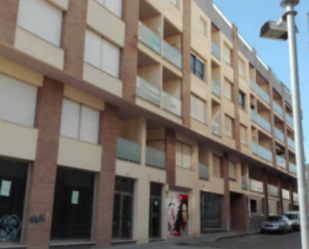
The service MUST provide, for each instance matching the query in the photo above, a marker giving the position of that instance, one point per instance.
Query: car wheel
(282, 231)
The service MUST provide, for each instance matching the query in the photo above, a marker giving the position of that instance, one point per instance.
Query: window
(243, 134)
(183, 155)
(241, 68)
(242, 100)
(198, 109)
(175, 2)
(79, 122)
(217, 166)
(198, 67)
(227, 55)
(115, 6)
(256, 206)
(273, 207)
(203, 26)
(42, 19)
(228, 90)
(229, 126)
(17, 101)
(232, 171)
(102, 54)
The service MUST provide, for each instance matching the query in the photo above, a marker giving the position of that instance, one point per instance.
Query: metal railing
(293, 168)
(273, 190)
(172, 55)
(171, 104)
(281, 162)
(279, 134)
(215, 88)
(286, 194)
(244, 182)
(216, 128)
(291, 143)
(149, 38)
(261, 151)
(263, 123)
(203, 171)
(289, 119)
(147, 91)
(278, 108)
(155, 157)
(256, 186)
(128, 150)
(215, 50)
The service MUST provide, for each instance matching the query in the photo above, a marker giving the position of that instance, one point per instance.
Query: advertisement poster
(178, 214)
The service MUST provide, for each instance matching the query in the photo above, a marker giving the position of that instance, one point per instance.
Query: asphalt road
(259, 241)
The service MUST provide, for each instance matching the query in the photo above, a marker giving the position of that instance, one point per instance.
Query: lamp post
(284, 29)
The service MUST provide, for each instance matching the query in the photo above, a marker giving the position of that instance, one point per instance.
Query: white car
(276, 223)
(295, 219)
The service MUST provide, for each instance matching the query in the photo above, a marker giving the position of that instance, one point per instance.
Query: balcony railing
(155, 158)
(215, 50)
(147, 91)
(203, 171)
(264, 95)
(289, 119)
(261, 152)
(293, 168)
(295, 197)
(149, 38)
(253, 115)
(216, 128)
(171, 104)
(128, 150)
(172, 55)
(252, 85)
(281, 162)
(244, 182)
(273, 190)
(216, 88)
(278, 108)
(291, 143)
(286, 194)
(256, 186)
(255, 148)
(279, 134)
(263, 123)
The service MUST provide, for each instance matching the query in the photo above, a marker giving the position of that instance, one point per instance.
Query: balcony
(291, 143)
(281, 162)
(203, 171)
(155, 158)
(216, 88)
(128, 150)
(295, 197)
(253, 116)
(172, 55)
(216, 128)
(256, 186)
(286, 194)
(244, 182)
(252, 85)
(147, 91)
(289, 119)
(215, 50)
(262, 152)
(278, 109)
(293, 168)
(273, 190)
(149, 38)
(263, 95)
(279, 134)
(171, 104)
(263, 123)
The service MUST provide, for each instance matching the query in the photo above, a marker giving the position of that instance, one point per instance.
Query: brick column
(105, 182)
(43, 171)
(170, 157)
(236, 89)
(285, 131)
(265, 185)
(291, 194)
(73, 37)
(186, 69)
(226, 197)
(280, 195)
(8, 20)
(128, 66)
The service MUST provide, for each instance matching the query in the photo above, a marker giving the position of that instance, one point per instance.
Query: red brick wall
(280, 195)
(265, 182)
(226, 198)
(106, 179)
(170, 157)
(73, 37)
(128, 66)
(43, 171)
(239, 218)
(8, 20)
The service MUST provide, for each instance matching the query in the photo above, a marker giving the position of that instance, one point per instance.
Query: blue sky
(249, 16)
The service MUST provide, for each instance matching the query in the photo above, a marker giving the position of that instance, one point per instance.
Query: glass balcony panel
(291, 143)
(155, 158)
(252, 85)
(265, 153)
(171, 104)
(253, 116)
(286, 194)
(263, 123)
(293, 168)
(289, 119)
(256, 186)
(295, 197)
(172, 55)
(216, 88)
(281, 162)
(279, 134)
(273, 190)
(149, 38)
(255, 149)
(264, 95)
(278, 109)
(215, 50)
(128, 150)
(244, 182)
(147, 91)
(216, 128)
(203, 171)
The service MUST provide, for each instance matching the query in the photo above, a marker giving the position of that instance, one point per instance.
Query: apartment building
(127, 121)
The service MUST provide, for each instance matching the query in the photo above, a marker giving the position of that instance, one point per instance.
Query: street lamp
(285, 29)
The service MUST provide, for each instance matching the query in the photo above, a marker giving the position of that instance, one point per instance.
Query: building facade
(136, 120)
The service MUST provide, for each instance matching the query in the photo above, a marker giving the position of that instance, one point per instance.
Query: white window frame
(104, 3)
(203, 26)
(231, 166)
(195, 101)
(229, 97)
(241, 64)
(227, 50)
(241, 138)
(227, 132)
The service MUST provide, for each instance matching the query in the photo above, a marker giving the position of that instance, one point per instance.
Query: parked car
(294, 217)
(276, 223)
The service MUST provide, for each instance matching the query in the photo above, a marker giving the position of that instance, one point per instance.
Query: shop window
(73, 205)
(114, 6)
(13, 182)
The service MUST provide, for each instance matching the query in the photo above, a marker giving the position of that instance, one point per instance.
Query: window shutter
(178, 154)
(243, 134)
(217, 166)
(115, 6)
(193, 106)
(93, 48)
(110, 58)
(228, 126)
(89, 125)
(17, 101)
(186, 153)
(70, 119)
(241, 68)
(232, 170)
(202, 26)
(228, 90)
(227, 55)
(42, 19)
(200, 106)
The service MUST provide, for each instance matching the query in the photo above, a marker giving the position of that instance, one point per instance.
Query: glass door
(155, 217)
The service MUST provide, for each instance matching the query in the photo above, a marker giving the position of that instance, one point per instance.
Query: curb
(235, 236)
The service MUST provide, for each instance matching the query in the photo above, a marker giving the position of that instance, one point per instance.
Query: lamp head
(284, 3)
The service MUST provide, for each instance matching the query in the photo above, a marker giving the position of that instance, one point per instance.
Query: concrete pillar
(280, 195)
(226, 197)
(170, 157)
(265, 185)
(141, 138)
(195, 213)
